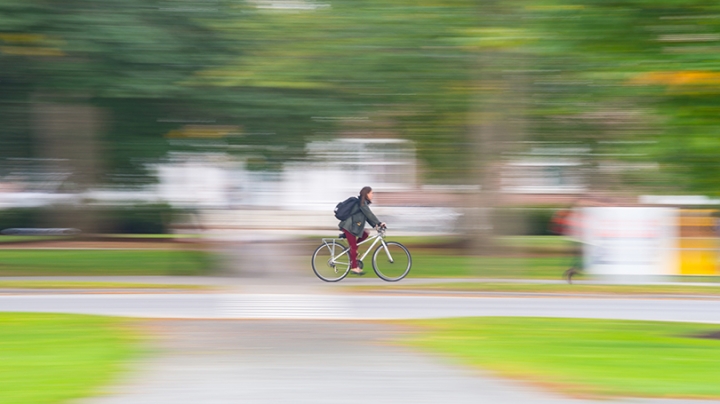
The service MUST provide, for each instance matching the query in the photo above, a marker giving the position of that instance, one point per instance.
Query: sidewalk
(259, 362)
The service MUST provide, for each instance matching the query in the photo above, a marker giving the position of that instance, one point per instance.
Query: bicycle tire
(396, 269)
(327, 270)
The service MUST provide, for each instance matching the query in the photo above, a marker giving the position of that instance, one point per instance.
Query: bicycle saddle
(342, 235)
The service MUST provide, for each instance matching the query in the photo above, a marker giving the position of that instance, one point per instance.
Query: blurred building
(332, 170)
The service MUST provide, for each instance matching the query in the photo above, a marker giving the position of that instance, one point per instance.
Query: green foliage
(100, 54)
(20, 217)
(357, 68)
(634, 81)
(135, 219)
(522, 221)
(283, 77)
(138, 219)
(631, 82)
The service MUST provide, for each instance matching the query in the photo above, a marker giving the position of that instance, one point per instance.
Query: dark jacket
(355, 224)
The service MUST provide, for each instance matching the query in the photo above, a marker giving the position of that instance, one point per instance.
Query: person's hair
(363, 195)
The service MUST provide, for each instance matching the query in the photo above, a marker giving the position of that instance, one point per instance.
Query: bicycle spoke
(391, 262)
(331, 262)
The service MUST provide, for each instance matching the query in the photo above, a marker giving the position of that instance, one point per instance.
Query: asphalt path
(309, 361)
(273, 346)
(359, 307)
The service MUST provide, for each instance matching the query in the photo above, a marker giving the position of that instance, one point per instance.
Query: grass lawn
(583, 357)
(16, 239)
(53, 358)
(432, 264)
(104, 262)
(550, 244)
(678, 290)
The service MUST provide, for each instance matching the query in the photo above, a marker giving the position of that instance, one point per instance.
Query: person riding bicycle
(354, 226)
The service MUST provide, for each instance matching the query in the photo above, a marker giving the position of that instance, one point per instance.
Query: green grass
(54, 358)
(583, 357)
(678, 290)
(432, 264)
(15, 239)
(546, 244)
(32, 284)
(104, 262)
(110, 237)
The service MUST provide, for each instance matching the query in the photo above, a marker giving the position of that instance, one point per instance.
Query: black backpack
(344, 209)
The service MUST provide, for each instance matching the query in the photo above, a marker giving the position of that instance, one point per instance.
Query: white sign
(629, 241)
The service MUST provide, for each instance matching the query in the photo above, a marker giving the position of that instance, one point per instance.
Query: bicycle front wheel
(331, 262)
(391, 261)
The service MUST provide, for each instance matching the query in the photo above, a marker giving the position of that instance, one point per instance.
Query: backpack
(344, 209)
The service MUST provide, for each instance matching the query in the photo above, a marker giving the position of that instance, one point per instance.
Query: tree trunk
(65, 138)
(496, 128)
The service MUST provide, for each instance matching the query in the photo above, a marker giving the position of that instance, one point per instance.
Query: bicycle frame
(379, 237)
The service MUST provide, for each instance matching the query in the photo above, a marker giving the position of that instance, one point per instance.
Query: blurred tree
(631, 82)
(364, 68)
(634, 83)
(108, 55)
(70, 67)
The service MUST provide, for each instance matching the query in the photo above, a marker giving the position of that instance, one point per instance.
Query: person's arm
(371, 218)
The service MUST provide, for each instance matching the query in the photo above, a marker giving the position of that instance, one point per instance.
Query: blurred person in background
(569, 223)
(354, 226)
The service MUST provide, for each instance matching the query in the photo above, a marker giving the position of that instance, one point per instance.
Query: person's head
(366, 195)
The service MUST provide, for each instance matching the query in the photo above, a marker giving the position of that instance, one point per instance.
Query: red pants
(353, 241)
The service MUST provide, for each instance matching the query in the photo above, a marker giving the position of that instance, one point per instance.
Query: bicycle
(331, 260)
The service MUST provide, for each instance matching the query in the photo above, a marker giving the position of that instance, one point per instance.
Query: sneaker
(357, 271)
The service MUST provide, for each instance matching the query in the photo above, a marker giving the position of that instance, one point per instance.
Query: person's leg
(576, 264)
(352, 241)
(364, 236)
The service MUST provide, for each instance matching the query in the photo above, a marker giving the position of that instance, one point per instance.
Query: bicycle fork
(387, 251)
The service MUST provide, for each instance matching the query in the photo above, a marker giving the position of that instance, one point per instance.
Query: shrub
(135, 219)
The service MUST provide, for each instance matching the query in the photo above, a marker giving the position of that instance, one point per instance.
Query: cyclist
(354, 226)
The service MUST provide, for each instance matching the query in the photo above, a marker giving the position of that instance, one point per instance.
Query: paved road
(295, 361)
(359, 307)
(300, 362)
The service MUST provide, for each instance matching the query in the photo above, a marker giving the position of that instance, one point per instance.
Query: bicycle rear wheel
(393, 263)
(331, 261)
